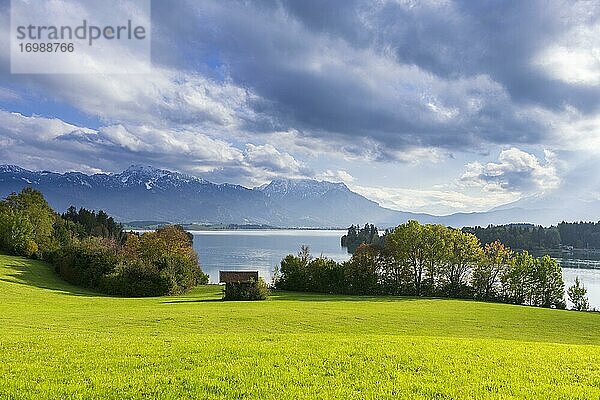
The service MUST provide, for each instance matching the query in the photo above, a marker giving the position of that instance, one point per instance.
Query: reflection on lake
(262, 250)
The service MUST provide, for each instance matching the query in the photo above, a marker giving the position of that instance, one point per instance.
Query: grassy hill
(59, 341)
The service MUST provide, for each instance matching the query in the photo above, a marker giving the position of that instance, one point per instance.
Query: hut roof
(237, 276)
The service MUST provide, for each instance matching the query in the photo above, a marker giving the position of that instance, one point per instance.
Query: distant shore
(150, 225)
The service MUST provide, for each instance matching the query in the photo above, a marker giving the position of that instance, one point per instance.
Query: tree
(517, 279)
(548, 286)
(26, 223)
(324, 275)
(436, 253)
(304, 254)
(35, 208)
(577, 295)
(405, 244)
(291, 274)
(169, 240)
(464, 253)
(357, 236)
(487, 273)
(361, 272)
(97, 224)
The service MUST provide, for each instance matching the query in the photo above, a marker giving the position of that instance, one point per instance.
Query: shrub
(86, 263)
(31, 249)
(246, 290)
(181, 273)
(292, 274)
(135, 280)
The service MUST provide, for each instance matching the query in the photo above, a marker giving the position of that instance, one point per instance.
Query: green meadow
(59, 341)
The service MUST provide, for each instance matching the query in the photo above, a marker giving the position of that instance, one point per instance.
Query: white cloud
(440, 201)
(191, 145)
(34, 128)
(574, 58)
(339, 175)
(8, 95)
(271, 160)
(516, 171)
(24, 139)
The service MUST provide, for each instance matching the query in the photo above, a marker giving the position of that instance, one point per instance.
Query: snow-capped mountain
(322, 203)
(142, 193)
(147, 193)
(298, 189)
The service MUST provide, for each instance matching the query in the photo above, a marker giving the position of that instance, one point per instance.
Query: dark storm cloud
(371, 80)
(402, 73)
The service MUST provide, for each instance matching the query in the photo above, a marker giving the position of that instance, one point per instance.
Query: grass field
(59, 341)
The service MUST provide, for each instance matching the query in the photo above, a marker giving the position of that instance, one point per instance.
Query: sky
(433, 106)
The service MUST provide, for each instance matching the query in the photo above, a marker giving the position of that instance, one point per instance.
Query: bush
(135, 280)
(180, 272)
(85, 263)
(291, 274)
(246, 291)
(31, 249)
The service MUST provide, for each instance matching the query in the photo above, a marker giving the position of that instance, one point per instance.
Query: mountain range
(150, 194)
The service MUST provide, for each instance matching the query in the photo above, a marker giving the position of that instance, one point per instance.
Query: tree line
(430, 260)
(90, 249)
(579, 235)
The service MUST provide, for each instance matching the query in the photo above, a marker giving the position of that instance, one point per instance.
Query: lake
(262, 250)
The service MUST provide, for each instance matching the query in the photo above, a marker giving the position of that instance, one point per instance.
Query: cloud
(515, 171)
(9, 95)
(399, 74)
(381, 80)
(271, 160)
(336, 176)
(574, 58)
(438, 201)
(248, 91)
(37, 143)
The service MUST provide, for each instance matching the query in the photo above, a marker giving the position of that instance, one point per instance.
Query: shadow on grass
(41, 275)
(193, 301)
(304, 296)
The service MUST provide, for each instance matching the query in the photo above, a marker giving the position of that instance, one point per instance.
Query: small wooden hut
(238, 276)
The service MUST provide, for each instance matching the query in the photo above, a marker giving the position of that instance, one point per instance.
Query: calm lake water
(262, 250)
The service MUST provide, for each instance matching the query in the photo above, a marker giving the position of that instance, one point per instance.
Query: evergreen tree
(578, 296)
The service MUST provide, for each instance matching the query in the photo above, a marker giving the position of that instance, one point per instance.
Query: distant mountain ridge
(147, 193)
